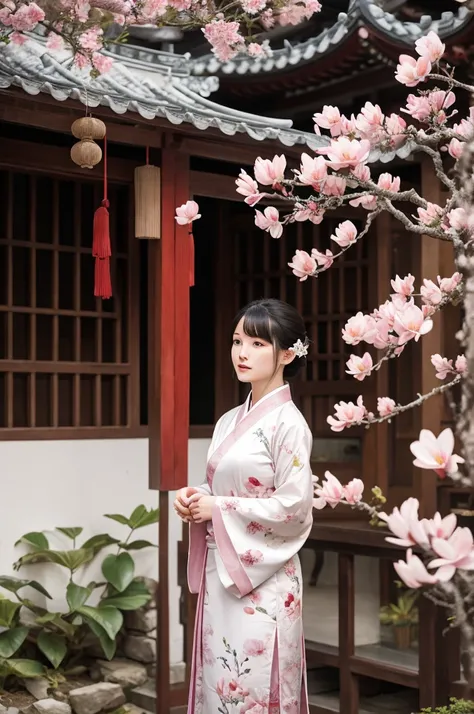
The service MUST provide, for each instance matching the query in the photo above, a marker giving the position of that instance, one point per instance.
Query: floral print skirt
(250, 651)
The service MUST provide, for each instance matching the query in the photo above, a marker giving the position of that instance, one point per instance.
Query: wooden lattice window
(68, 361)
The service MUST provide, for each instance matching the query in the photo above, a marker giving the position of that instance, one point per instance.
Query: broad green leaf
(119, 570)
(70, 559)
(8, 610)
(142, 517)
(71, 533)
(25, 668)
(109, 646)
(117, 517)
(109, 618)
(137, 545)
(97, 542)
(12, 640)
(53, 647)
(76, 596)
(34, 540)
(13, 585)
(133, 597)
(56, 620)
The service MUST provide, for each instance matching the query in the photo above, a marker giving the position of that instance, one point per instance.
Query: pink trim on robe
(196, 555)
(261, 409)
(228, 554)
(197, 642)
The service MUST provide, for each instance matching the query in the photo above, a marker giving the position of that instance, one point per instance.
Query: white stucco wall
(73, 483)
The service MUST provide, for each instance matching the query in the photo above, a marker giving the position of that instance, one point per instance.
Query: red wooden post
(168, 380)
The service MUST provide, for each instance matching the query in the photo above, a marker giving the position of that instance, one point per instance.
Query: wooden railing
(431, 676)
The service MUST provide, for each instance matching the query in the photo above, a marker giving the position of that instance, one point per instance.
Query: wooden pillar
(348, 682)
(168, 359)
(431, 410)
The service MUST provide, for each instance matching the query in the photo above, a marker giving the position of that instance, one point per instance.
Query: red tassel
(101, 248)
(191, 261)
(101, 251)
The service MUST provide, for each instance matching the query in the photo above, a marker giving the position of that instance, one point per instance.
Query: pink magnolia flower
(411, 71)
(430, 293)
(224, 38)
(187, 213)
(254, 706)
(269, 221)
(26, 17)
(455, 148)
(436, 453)
(313, 171)
(353, 491)
(442, 365)
(251, 557)
(438, 527)
(313, 212)
(360, 367)
(385, 406)
(17, 38)
(430, 216)
(325, 260)
(461, 365)
(370, 119)
(403, 286)
(447, 285)
(361, 172)
(254, 648)
(418, 107)
(359, 328)
(346, 234)
(303, 265)
(329, 493)
(458, 219)
(334, 186)
(413, 572)
(389, 183)
(430, 46)
(248, 187)
(346, 153)
(455, 552)
(329, 118)
(395, 127)
(405, 525)
(270, 173)
(347, 414)
(368, 202)
(411, 324)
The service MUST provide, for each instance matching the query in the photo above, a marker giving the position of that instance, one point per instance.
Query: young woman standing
(247, 524)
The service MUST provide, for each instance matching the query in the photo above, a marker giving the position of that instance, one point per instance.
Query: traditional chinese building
(95, 395)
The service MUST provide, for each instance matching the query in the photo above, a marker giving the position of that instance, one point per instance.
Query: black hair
(278, 323)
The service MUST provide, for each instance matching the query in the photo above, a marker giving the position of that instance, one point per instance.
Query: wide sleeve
(255, 537)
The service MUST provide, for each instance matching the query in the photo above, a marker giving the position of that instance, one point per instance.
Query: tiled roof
(164, 88)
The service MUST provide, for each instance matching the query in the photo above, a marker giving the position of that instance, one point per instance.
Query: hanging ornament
(147, 201)
(101, 248)
(86, 153)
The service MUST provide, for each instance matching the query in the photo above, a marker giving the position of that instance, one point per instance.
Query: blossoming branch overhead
(83, 25)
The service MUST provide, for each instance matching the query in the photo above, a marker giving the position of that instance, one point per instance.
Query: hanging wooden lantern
(86, 153)
(147, 202)
(88, 128)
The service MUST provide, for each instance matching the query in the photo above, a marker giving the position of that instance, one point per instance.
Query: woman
(248, 522)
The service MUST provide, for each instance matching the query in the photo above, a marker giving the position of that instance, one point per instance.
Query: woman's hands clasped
(192, 506)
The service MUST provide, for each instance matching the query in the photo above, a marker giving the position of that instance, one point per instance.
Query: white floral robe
(248, 646)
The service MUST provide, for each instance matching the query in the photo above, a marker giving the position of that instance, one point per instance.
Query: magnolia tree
(87, 26)
(338, 175)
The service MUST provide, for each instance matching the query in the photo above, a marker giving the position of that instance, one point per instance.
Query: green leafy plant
(402, 613)
(455, 706)
(58, 639)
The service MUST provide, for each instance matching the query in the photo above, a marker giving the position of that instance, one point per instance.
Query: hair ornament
(300, 348)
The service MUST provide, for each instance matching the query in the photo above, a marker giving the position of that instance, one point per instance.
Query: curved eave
(452, 26)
